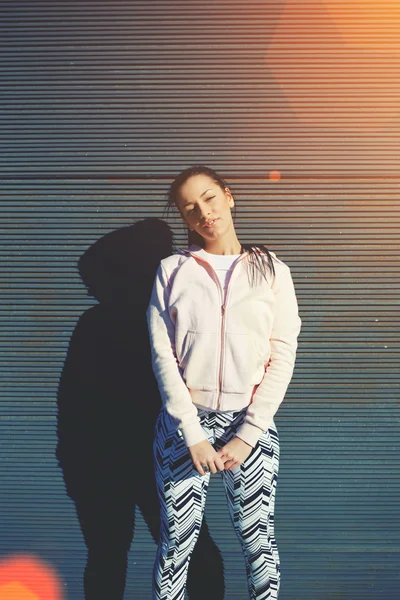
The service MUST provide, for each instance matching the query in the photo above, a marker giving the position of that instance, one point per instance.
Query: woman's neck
(232, 248)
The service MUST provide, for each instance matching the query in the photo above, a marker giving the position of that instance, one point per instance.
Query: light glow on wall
(26, 577)
(337, 63)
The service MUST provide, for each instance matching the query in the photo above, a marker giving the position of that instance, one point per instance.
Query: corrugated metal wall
(101, 105)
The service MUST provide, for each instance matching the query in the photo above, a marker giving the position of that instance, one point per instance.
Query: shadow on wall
(108, 402)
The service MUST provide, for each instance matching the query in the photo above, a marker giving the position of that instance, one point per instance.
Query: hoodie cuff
(249, 433)
(193, 434)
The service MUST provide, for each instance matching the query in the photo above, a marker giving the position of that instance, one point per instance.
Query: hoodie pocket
(243, 363)
(200, 360)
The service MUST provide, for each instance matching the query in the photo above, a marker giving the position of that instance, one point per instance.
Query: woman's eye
(211, 197)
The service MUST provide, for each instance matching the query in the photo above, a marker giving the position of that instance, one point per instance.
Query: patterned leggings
(250, 491)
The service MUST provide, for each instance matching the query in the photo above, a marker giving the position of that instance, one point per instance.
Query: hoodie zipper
(223, 313)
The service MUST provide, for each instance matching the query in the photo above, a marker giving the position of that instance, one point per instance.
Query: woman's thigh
(251, 487)
(181, 489)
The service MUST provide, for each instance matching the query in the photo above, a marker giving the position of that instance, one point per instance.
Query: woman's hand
(234, 453)
(203, 453)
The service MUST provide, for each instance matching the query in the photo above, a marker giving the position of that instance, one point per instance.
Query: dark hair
(256, 250)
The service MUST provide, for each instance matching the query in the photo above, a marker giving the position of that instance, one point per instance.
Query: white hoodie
(222, 351)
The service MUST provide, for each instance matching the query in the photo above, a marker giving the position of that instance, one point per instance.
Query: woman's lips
(209, 226)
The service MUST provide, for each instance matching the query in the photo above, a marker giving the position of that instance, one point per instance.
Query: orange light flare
(337, 63)
(274, 175)
(26, 577)
(366, 24)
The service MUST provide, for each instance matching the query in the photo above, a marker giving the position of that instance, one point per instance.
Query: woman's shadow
(108, 402)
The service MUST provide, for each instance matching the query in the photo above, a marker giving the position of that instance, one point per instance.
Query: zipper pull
(223, 308)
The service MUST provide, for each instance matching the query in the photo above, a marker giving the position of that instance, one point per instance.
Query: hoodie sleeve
(283, 341)
(174, 393)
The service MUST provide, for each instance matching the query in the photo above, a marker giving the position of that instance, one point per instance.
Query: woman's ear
(231, 201)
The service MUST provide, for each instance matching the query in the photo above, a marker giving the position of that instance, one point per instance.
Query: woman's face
(200, 200)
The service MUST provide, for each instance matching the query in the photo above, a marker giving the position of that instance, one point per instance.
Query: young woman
(223, 353)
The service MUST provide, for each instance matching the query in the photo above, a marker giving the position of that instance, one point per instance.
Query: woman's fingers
(208, 466)
(234, 453)
(200, 468)
(203, 456)
(230, 459)
(214, 465)
(219, 463)
(200, 465)
(225, 457)
(232, 464)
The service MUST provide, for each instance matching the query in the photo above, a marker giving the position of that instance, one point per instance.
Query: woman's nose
(204, 215)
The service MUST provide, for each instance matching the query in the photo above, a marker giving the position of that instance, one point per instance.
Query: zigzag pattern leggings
(250, 491)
